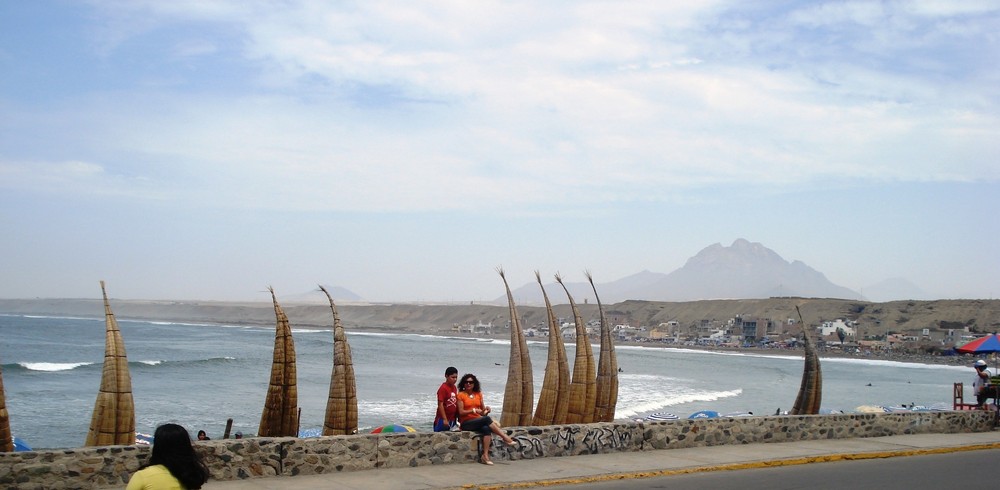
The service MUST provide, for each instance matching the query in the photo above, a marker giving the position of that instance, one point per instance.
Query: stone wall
(264, 457)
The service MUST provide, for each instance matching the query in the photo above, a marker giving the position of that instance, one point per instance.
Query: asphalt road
(963, 469)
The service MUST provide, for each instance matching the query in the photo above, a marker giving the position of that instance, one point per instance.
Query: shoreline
(964, 360)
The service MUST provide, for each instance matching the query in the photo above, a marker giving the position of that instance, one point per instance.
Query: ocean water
(198, 375)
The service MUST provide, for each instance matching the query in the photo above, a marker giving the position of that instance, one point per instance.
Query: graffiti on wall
(562, 441)
(524, 447)
(606, 437)
(565, 438)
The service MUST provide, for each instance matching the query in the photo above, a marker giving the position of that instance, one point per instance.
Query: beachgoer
(239, 435)
(981, 386)
(446, 417)
(473, 415)
(202, 436)
(173, 463)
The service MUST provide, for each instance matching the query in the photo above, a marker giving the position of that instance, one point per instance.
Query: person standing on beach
(173, 463)
(446, 417)
(981, 386)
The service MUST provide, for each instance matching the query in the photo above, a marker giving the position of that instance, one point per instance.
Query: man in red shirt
(447, 407)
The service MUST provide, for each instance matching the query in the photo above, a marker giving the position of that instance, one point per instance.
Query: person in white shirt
(981, 386)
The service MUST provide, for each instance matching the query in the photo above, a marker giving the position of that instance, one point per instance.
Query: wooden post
(229, 427)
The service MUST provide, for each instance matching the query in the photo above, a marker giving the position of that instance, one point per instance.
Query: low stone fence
(263, 457)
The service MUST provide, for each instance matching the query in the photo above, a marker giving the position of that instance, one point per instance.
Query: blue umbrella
(20, 445)
(311, 432)
(704, 414)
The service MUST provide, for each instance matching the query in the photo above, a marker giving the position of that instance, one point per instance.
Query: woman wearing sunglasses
(473, 414)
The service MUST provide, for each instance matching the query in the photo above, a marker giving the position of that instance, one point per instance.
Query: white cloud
(72, 178)
(382, 106)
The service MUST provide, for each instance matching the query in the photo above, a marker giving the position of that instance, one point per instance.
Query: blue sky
(404, 150)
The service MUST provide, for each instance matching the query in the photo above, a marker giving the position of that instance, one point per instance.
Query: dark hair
(475, 382)
(172, 448)
(451, 370)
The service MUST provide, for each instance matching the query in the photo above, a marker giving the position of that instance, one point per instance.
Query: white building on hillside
(830, 328)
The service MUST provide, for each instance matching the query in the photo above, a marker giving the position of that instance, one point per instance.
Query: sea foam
(52, 366)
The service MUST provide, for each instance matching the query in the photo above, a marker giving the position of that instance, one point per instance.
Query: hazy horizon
(195, 150)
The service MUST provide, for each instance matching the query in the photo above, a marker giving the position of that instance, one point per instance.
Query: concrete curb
(733, 466)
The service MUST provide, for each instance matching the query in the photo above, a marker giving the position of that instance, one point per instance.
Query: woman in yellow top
(473, 415)
(173, 464)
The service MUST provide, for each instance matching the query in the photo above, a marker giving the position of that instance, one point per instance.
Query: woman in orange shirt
(473, 415)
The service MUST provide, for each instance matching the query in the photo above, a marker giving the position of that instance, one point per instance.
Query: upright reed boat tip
(113, 419)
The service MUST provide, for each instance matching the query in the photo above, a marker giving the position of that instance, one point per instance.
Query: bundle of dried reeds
(6, 440)
(113, 420)
(553, 401)
(811, 390)
(342, 404)
(519, 392)
(280, 417)
(607, 368)
(583, 386)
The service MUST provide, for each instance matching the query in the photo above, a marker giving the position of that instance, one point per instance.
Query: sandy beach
(443, 319)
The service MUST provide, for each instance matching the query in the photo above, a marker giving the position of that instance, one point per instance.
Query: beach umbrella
(20, 445)
(811, 389)
(659, 416)
(519, 392)
(607, 368)
(6, 441)
(553, 402)
(899, 408)
(311, 432)
(113, 420)
(342, 403)
(280, 415)
(871, 409)
(704, 414)
(583, 385)
(393, 428)
(982, 345)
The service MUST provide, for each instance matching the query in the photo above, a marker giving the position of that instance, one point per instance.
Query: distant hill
(743, 270)
(317, 296)
(895, 289)
(898, 316)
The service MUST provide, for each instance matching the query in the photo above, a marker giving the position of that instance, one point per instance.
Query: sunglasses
(470, 382)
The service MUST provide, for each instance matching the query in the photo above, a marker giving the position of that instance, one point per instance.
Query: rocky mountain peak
(743, 270)
(741, 254)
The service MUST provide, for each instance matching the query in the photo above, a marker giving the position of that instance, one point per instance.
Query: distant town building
(752, 329)
(830, 328)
